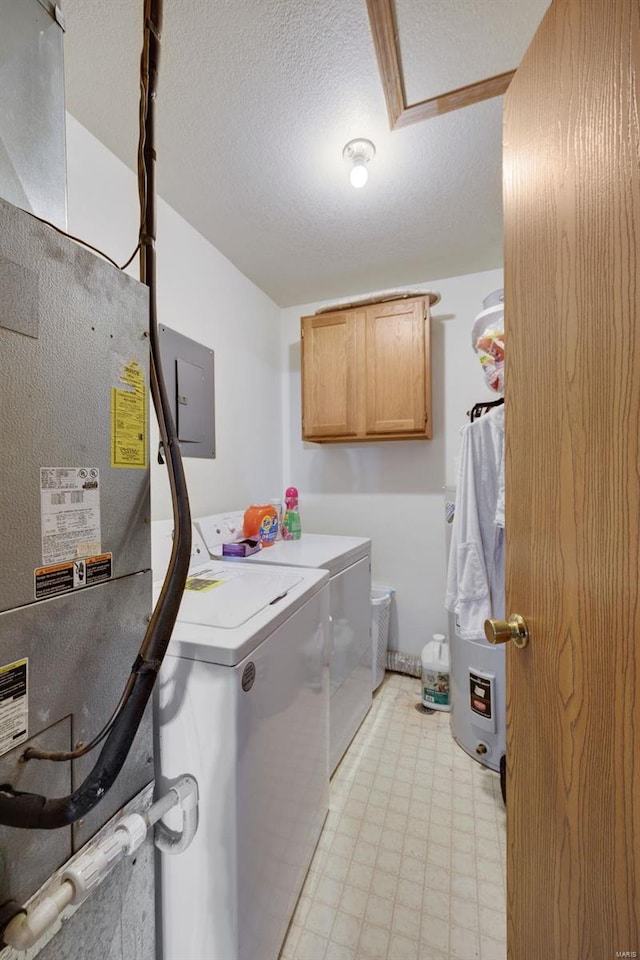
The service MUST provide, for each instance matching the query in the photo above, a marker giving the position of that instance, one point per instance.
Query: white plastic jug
(435, 673)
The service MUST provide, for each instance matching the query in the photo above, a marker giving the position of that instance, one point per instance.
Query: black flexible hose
(31, 811)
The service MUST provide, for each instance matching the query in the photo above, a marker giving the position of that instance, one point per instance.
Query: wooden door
(572, 252)
(329, 396)
(397, 368)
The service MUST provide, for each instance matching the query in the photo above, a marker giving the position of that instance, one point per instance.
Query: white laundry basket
(380, 612)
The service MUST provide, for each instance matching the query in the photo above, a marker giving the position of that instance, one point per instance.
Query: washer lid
(217, 596)
(229, 609)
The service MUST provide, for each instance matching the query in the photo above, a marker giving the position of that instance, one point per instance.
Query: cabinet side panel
(350, 675)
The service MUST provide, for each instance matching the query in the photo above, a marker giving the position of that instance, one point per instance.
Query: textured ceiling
(257, 99)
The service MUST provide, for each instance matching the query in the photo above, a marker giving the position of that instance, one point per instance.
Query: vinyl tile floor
(411, 862)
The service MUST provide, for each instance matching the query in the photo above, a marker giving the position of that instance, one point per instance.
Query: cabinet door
(398, 382)
(329, 399)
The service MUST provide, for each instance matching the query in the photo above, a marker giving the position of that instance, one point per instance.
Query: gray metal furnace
(75, 581)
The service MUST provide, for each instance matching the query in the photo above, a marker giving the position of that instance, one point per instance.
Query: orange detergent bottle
(261, 522)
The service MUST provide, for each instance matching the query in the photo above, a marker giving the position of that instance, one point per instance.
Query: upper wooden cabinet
(329, 382)
(366, 373)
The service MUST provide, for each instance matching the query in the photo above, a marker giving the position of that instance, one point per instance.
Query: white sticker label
(14, 705)
(70, 513)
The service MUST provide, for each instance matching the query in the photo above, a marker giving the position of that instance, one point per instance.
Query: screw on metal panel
(81, 822)
(79, 745)
(145, 333)
(149, 759)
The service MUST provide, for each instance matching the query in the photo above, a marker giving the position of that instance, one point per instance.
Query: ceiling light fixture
(359, 153)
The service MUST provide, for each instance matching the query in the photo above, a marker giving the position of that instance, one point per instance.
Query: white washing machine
(348, 560)
(242, 706)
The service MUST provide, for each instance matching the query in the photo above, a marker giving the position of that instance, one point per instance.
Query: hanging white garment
(475, 582)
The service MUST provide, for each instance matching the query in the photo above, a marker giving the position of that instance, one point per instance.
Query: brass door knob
(501, 631)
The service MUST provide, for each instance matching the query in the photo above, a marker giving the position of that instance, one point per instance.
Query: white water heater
(477, 684)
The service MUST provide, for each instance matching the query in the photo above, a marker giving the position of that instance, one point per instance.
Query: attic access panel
(188, 368)
(493, 33)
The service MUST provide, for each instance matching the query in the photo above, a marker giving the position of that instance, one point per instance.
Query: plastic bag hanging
(487, 340)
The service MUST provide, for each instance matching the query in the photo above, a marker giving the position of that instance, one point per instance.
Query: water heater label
(14, 705)
(70, 512)
(480, 689)
(129, 419)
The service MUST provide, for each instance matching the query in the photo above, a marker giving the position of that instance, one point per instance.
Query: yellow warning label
(12, 666)
(14, 705)
(129, 420)
(202, 584)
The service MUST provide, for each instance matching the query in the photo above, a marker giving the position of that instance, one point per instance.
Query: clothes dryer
(348, 560)
(242, 706)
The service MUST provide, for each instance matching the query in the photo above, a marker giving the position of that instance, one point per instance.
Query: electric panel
(188, 368)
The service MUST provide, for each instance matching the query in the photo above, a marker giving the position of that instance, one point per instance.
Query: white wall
(200, 294)
(393, 492)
